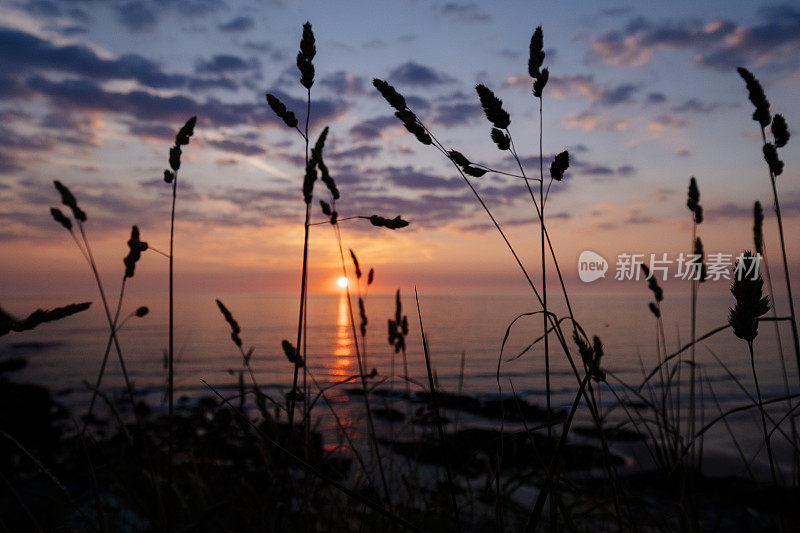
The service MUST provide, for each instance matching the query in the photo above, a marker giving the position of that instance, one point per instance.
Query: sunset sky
(643, 95)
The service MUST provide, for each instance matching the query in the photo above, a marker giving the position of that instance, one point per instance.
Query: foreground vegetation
(249, 459)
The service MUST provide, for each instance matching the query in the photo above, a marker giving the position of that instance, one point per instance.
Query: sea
(479, 345)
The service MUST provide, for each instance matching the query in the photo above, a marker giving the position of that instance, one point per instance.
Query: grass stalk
(439, 427)
(171, 359)
(777, 206)
(362, 374)
(767, 440)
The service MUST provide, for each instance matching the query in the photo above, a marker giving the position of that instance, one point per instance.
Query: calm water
(64, 354)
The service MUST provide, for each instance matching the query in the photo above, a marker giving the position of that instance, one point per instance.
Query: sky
(644, 95)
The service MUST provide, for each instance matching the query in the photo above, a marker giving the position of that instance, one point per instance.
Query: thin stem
(323, 477)
(107, 352)
(795, 336)
(554, 462)
(303, 285)
(767, 440)
(359, 359)
(304, 278)
(434, 399)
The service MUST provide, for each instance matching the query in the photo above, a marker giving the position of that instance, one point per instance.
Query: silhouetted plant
(171, 177)
(39, 317)
(747, 289)
(780, 132)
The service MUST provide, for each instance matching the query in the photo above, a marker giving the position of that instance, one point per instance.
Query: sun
(342, 282)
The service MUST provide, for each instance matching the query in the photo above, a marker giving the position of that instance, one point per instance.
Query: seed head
(291, 353)
(750, 301)
(458, 158)
(326, 208)
(235, 329)
(280, 110)
(559, 165)
(185, 132)
(652, 283)
(394, 223)
(476, 172)
(536, 58)
(59, 217)
(307, 52)
(772, 159)
(493, 107)
(780, 131)
(591, 355)
(540, 82)
(41, 316)
(363, 313)
(175, 157)
(135, 249)
(355, 264)
(69, 200)
(700, 258)
(308, 180)
(758, 227)
(142, 311)
(693, 201)
(757, 97)
(502, 140)
(389, 93)
(398, 328)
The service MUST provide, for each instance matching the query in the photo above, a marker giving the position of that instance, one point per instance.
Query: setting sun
(342, 282)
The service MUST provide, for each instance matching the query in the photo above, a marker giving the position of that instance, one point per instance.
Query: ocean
(65, 354)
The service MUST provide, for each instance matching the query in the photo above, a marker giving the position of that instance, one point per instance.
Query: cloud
(411, 73)
(373, 128)
(141, 105)
(693, 105)
(510, 54)
(469, 13)
(204, 84)
(265, 47)
(8, 163)
(655, 98)
(19, 49)
(582, 85)
(773, 42)
(225, 64)
(626, 170)
(12, 88)
(456, 114)
(789, 205)
(151, 131)
(617, 95)
(14, 140)
(591, 120)
(585, 85)
(239, 147)
(136, 16)
(662, 123)
(359, 152)
(21, 52)
(412, 179)
(237, 25)
(342, 82)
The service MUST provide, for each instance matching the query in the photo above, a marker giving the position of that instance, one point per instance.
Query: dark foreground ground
(232, 473)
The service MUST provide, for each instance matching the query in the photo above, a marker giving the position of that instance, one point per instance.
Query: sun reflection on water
(343, 360)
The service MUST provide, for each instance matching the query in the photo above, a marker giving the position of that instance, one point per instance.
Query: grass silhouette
(224, 464)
